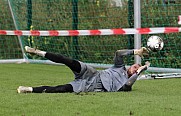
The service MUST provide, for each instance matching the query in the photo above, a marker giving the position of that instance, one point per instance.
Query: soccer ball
(155, 43)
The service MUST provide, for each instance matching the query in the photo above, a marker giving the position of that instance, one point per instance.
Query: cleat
(30, 50)
(22, 89)
(34, 51)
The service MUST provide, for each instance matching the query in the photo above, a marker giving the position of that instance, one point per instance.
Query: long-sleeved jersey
(112, 78)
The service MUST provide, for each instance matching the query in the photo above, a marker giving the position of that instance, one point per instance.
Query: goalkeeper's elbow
(125, 88)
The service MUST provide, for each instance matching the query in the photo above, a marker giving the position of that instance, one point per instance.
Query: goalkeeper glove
(143, 68)
(142, 51)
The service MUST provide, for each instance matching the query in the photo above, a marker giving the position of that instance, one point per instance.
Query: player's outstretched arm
(118, 58)
(134, 77)
(119, 54)
(143, 51)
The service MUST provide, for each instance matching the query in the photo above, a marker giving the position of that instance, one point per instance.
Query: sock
(30, 89)
(40, 53)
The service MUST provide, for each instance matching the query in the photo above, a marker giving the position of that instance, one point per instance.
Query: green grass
(148, 98)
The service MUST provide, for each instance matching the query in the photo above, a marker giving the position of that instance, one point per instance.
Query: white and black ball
(155, 43)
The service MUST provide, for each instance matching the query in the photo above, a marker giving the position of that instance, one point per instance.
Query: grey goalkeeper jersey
(112, 78)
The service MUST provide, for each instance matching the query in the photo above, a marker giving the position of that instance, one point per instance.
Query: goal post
(16, 28)
(92, 17)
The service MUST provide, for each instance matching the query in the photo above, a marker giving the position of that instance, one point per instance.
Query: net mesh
(163, 14)
(9, 45)
(86, 15)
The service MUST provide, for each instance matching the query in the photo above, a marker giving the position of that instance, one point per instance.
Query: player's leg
(46, 89)
(74, 65)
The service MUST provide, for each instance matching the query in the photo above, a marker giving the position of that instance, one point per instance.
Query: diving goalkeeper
(88, 79)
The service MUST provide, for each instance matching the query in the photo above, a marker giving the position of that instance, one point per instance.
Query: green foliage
(92, 14)
(148, 98)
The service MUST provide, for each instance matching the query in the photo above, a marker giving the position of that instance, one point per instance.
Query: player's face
(132, 69)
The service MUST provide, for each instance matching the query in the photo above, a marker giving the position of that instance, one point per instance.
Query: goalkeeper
(88, 79)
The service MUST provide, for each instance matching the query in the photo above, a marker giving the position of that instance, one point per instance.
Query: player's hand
(147, 64)
(141, 52)
(143, 68)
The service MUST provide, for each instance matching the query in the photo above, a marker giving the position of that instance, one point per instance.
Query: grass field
(148, 98)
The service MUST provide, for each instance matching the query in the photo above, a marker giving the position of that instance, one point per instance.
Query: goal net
(86, 15)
